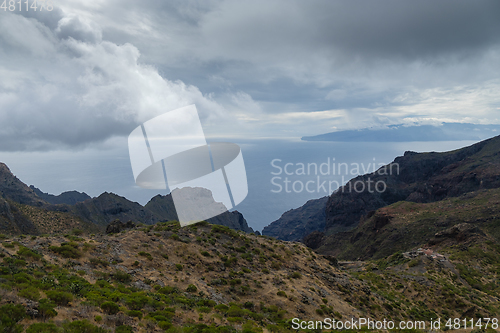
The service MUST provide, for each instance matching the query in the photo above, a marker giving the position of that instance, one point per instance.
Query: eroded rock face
(416, 177)
(163, 206)
(12, 188)
(297, 223)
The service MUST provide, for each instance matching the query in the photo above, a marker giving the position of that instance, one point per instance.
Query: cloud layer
(90, 71)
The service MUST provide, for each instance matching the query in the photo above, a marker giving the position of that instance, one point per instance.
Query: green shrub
(178, 267)
(205, 254)
(43, 328)
(22, 278)
(281, 293)
(146, 254)
(221, 307)
(10, 315)
(192, 288)
(96, 261)
(124, 329)
(82, 326)
(204, 309)
(136, 301)
(295, 275)
(59, 297)
(121, 276)
(235, 311)
(46, 308)
(28, 253)
(234, 282)
(31, 293)
(67, 250)
(134, 313)
(110, 308)
(248, 305)
(164, 325)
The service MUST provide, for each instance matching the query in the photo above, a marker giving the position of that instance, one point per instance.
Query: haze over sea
(97, 171)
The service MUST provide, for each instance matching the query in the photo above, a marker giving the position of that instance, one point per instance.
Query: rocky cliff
(28, 210)
(294, 224)
(414, 177)
(163, 206)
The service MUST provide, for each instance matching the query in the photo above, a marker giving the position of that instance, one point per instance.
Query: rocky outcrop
(75, 207)
(12, 188)
(294, 224)
(416, 177)
(163, 206)
(12, 221)
(233, 220)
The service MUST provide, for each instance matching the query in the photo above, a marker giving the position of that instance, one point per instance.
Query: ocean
(282, 174)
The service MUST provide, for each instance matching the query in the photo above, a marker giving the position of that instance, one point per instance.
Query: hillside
(154, 277)
(163, 206)
(414, 177)
(27, 210)
(209, 278)
(295, 223)
(404, 225)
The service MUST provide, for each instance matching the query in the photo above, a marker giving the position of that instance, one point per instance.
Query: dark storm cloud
(89, 71)
(408, 29)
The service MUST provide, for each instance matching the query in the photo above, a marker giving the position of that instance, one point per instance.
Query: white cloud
(68, 87)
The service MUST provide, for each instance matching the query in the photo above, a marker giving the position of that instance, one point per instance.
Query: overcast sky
(89, 72)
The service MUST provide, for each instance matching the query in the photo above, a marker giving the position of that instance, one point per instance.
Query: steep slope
(27, 210)
(163, 206)
(209, 278)
(405, 225)
(109, 207)
(294, 224)
(12, 188)
(69, 197)
(164, 276)
(417, 177)
(12, 220)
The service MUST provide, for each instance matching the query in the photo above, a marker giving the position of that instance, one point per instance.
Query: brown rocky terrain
(414, 177)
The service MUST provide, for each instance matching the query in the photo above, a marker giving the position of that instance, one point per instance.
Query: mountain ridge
(407, 133)
(416, 177)
(26, 209)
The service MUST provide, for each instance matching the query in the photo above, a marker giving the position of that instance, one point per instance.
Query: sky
(88, 72)
(76, 80)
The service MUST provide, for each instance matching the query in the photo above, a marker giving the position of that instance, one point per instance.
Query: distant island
(405, 133)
